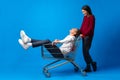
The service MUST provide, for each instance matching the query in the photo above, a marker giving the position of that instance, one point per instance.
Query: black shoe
(94, 66)
(87, 69)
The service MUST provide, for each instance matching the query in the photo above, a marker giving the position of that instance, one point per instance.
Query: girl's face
(84, 12)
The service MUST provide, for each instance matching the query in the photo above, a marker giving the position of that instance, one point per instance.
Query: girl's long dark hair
(87, 8)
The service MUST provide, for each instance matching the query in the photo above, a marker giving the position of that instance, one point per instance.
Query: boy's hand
(55, 42)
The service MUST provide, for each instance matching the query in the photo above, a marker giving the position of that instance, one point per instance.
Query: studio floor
(106, 74)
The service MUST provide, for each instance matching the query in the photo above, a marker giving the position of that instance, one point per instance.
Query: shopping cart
(57, 56)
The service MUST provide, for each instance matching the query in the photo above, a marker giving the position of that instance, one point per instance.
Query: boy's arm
(55, 41)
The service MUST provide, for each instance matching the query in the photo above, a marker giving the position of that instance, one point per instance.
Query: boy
(66, 47)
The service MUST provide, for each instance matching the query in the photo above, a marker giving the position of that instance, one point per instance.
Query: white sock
(29, 44)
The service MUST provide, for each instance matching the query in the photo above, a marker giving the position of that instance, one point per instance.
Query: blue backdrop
(52, 19)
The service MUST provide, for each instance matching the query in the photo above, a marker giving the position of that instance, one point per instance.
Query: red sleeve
(90, 28)
(82, 25)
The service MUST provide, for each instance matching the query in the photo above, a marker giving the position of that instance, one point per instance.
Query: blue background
(52, 19)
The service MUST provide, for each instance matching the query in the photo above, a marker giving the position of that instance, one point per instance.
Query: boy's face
(73, 31)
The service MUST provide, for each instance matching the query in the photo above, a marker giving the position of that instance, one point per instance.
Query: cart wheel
(46, 73)
(83, 73)
(76, 69)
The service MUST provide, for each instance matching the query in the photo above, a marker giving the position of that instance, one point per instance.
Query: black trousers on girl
(86, 47)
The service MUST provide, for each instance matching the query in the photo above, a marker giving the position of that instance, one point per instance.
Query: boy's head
(74, 32)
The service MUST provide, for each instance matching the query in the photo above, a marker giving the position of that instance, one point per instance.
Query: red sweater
(87, 28)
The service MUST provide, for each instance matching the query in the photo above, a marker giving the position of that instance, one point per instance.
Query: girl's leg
(86, 47)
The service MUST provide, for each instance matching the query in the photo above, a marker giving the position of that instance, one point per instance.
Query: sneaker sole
(22, 44)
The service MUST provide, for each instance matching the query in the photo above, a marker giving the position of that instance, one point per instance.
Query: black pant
(53, 49)
(86, 47)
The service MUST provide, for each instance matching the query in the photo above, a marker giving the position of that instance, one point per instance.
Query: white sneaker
(25, 46)
(24, 37)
